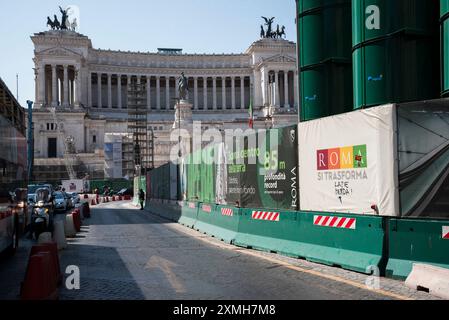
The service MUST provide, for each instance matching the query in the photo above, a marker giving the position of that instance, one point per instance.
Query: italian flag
(251, 114)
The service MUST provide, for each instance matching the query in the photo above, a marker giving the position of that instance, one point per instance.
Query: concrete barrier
(432, 279)
(59, 235)
(69, 226)
(40, 281)
(221, 222)
(44, 237)
(189, 214)
(416, 241)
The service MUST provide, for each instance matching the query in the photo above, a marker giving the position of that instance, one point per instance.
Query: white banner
(347, 163)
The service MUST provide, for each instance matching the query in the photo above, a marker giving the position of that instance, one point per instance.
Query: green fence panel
(281, 234)
(221, 222)
(416, 241)
(353, 242)
(189, 214)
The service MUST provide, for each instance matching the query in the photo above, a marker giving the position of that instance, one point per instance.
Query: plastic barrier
(86, 210)
(93, 203)
(113, 198)
(44, 237)
(59, 235)
(53, 249)
(416, 241)
(69, 226)
(352, 242)
(221, 222)
(77, 219)
(189, 214)
(40, 282)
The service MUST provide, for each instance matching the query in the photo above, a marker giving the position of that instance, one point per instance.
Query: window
(48, 127)
(94, 139)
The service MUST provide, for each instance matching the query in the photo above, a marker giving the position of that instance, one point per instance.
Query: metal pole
(30, 142)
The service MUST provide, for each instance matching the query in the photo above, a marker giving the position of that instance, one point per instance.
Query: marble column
(277, 90)
(149, 92)
(100, 102)
(65, 101)
(89, 89)
(233, 92)
(77, 87)
(195, 93)
(286, 91)
(119, 91)
(214, 92)
(205, 92)
(242, 92)
(296, 88)
(223, 92)
(42, 85)
(54, 87)
(109, 91)
(158, 92)
(167, 93)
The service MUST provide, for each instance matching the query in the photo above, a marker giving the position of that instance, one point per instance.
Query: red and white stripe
(207, 208)
(446, 232)
(267, 216)
(227, 212)
(192, 205)
(335, 222)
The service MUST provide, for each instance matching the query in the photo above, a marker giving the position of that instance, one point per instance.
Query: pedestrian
(141, 198)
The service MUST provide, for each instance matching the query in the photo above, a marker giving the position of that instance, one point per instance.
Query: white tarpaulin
(347, 163)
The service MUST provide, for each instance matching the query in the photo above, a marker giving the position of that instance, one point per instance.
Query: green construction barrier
(222, 222)
(416, 241)
(189, 214)
(296, 234)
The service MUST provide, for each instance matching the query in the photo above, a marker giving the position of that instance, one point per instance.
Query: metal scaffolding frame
(138, 144)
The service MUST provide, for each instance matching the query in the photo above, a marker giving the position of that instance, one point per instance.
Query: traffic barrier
(93, 203)
(86, 210)
(44, 237)
(434, 279)
(416, 241)
(189, 214)
(53, 249)
(86, 196)
(69, 226)
(77, 219)
(113, 198)
(219, 221)
(353, 242)
(119, 198)
(39, 282)
(59, 235)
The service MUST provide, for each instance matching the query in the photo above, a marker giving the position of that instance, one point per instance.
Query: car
(61, 201)
(125, 192)
(75, 197)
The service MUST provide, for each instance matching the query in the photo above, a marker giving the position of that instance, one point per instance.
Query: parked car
(125, 192)
(75, 197)
(62, 201)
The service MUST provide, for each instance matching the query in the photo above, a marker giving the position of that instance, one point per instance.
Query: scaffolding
(138, 144)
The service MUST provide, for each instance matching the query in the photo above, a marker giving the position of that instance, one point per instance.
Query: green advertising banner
(262, 170)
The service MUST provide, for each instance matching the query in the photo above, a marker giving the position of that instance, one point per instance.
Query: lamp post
(30, 141)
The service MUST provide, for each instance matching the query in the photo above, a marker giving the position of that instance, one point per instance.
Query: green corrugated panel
(398, 61)
(444, 13)
(207, 176)
(324, 35)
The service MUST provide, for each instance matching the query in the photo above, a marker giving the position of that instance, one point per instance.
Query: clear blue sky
(196, 26)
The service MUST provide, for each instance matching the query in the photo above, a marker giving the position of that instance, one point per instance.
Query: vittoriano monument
(279, 33)
(65, 24)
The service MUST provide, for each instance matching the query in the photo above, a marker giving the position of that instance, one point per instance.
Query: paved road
(130, 254)
(125, 253)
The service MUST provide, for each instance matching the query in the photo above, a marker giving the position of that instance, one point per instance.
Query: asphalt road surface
(126, 253)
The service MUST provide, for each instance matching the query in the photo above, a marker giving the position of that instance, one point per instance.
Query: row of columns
(214, 102)
(63, 93)
(274, 90)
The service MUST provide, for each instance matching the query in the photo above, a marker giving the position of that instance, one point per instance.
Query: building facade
(82, 93)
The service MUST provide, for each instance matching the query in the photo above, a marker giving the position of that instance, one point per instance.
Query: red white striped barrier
(227, 212)
(207, 208)
(267, 216)
(446, 232)
(192, 205)
(335, 222)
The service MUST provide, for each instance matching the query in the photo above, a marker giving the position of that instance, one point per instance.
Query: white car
(61, 202)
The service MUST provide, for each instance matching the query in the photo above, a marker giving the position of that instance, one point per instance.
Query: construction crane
(69, 158)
